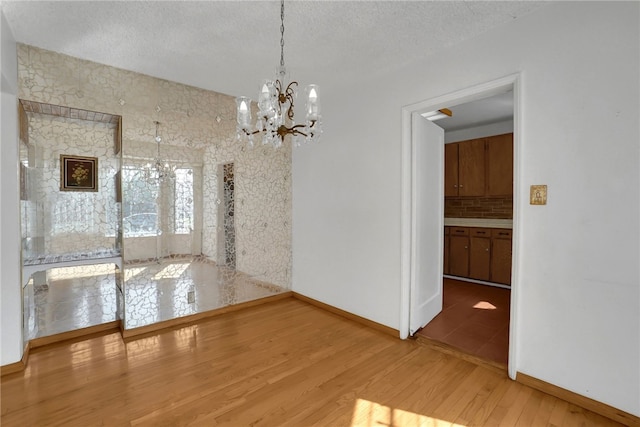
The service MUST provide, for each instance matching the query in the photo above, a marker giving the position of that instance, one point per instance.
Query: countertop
(478, 222)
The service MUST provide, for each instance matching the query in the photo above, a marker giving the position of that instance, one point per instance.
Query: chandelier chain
(282, 33)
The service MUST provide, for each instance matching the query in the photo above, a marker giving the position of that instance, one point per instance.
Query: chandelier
(160, 169)
(275, 104)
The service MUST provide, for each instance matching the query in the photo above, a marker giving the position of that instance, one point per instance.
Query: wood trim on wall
(579, 400)
(104, 328)
(18, 366)
(135, 333)
(366, 322)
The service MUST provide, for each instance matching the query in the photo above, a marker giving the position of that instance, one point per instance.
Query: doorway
(478, 214)
(412, 288)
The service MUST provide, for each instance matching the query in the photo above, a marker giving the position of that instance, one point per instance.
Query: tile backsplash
(478, 207)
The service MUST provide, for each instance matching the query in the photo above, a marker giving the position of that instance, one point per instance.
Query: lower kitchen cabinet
(501, 256)
(459, 251)
(478, 253)
(446, 250)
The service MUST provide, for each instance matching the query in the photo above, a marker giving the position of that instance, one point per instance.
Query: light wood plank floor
(282, 363)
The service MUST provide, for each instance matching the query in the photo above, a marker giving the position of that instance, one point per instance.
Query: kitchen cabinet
(500, 165)
(471, 168)
(459, 251)
(450, 170)
(464, 168)
(501, 256)
(446, 250)
(480, 253)
(479, 167)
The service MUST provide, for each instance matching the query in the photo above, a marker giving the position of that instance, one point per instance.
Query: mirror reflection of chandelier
(275, 103)
(160, 169)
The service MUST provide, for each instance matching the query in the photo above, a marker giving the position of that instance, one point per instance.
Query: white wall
(578, 307)
(10, 290)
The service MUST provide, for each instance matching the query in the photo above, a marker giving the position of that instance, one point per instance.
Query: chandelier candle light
(275, 104)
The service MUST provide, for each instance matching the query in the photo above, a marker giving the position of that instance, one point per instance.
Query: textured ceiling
(230, 46)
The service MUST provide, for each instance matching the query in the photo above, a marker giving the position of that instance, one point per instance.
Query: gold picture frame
(78, 173)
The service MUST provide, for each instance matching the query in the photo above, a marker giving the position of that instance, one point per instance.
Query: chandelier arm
(290, 109)
(293, 130)
(289, 89)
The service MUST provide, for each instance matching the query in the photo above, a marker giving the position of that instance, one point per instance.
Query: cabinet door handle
(466, 247)
(487, 249)
(461, 185)
(480, 232)
(455, 185)
(503, 234)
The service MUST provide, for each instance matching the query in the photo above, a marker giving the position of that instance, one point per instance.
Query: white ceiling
(230, 46)
(481, 112)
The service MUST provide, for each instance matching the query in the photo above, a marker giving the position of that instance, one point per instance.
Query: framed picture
(78, 173)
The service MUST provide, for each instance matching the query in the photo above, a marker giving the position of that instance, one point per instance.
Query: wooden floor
(282, 363)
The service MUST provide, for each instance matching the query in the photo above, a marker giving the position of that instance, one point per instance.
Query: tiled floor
(79, 297)
(474, 318)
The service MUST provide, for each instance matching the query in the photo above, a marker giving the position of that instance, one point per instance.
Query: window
(142, 194)
(140, 202)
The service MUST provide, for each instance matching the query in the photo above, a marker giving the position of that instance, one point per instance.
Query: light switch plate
(538, 195)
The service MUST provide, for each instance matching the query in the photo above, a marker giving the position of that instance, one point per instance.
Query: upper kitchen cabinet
(500, 165)
(479, 167)
(464, 168)
(450, 170)
(471, 168)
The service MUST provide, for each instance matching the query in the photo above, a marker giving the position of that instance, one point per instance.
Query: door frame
(407, 270)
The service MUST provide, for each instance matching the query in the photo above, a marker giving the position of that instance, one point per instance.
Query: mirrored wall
(70, 218)
(184, 218)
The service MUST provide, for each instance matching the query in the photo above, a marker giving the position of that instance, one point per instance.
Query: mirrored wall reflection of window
(141, 191)
(162, 189)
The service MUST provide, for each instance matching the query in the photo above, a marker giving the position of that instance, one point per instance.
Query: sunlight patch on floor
(372, 414)
(484, 305)
(131, 272)
(172, 271)
(64, 273)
